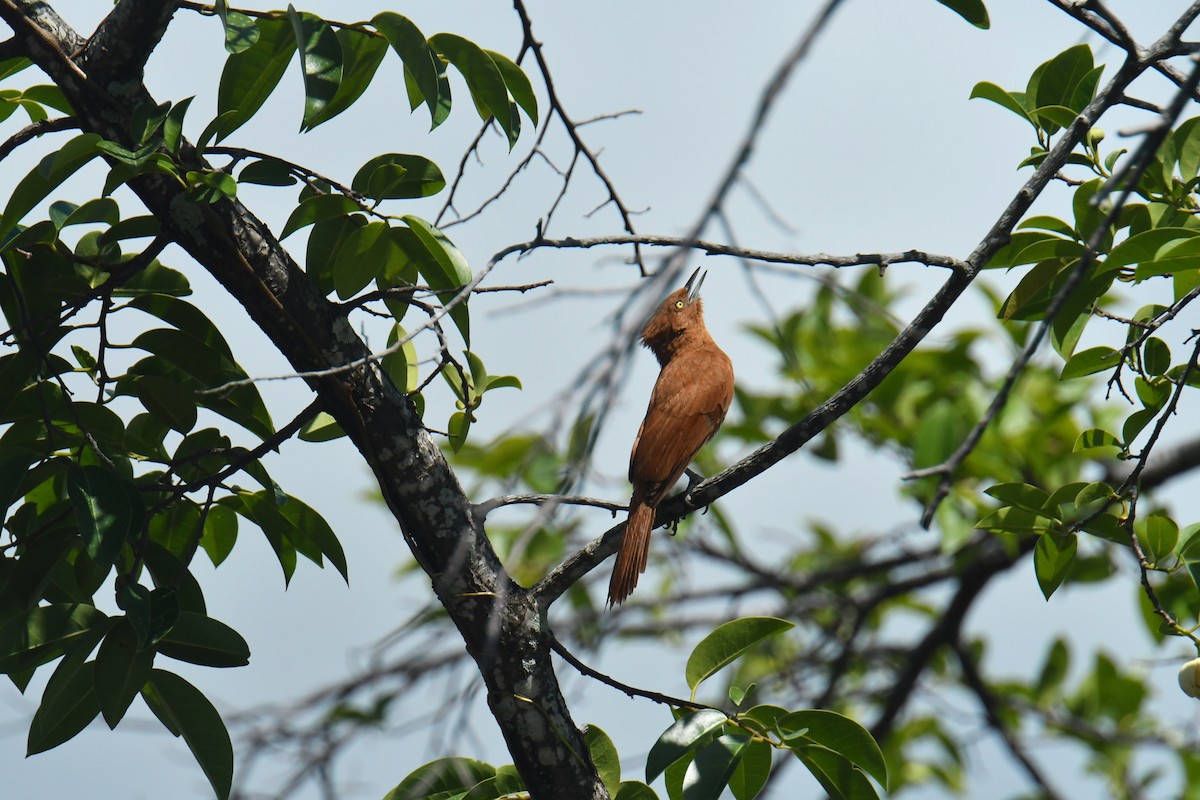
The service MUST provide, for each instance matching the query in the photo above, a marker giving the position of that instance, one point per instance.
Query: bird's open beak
(693, 284)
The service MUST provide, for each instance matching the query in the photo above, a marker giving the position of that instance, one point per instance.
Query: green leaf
(1054, 668)
(505, 783)
(168, 571)
(1146, 246)
(361, 56)
(713, 767)
(1136, 423)
(220, 533)
(267, 172)
(1096, 437)
(100, 209)
(169, 401)
(635, 790)
(1023, 495)
(401, 366)
(1053, 557)
(362, 257)
(1156, 356)
(68, 705)
(11, 66)
(841, 735)
(458, 427)
(1047, 223)
(752, 771)
(837, 776)
(394, 176)
(687, 733)
(1157, 534)
(727, 643)
(1175, 257)
(310, 525)
(321, 428)
(251, 75)
(1016, 520)
(1031, 295)
(240, 30)
(1089, 362)
(673, 777)
(261, 510)
(444, 268)
(320, 60)
(105, 512)
(199, 639)
(1009, 100)
(1051, 118)
(324, 243)
(604, 757)
(973, 11)
(183, 355)
(483, 79)
(443, 779)
(183, 710)
(1058, 78)
(151, 613)
(50, 172)
(46, 95)
(121, 671)
(518, 84)
(1018, 243)
(43, 633)
(1093, 492)
(939, 433)
(420, 62)
(316, 209)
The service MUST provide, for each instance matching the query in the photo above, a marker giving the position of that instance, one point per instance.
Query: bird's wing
(685, 411)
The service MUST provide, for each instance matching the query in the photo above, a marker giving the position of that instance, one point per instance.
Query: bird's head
(680, 312)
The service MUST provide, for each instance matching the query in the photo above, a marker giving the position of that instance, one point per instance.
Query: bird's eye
(679, 304)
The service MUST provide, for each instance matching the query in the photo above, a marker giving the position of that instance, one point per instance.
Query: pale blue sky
(874, 146)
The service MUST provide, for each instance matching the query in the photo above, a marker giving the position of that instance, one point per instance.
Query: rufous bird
(688, 404)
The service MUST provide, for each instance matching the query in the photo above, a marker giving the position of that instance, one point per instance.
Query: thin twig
(632, 691)
(488, 506)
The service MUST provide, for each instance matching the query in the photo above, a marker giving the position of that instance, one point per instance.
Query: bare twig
(632, 691)
(488, 506)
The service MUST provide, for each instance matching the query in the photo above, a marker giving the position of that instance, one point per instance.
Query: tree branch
(881, 260)
(115, 55)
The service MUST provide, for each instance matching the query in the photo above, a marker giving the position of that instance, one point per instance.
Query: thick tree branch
(116, 53)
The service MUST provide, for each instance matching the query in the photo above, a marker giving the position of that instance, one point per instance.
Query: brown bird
(689, 401)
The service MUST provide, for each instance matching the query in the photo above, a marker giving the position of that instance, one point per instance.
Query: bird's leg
(693, 479)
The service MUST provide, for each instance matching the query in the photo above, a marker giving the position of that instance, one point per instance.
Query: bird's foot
(693, 479)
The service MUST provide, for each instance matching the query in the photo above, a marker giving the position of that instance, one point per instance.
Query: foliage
(119, 492)
(127, 423)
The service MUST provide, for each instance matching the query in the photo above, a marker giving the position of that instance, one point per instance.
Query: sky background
(874, 146)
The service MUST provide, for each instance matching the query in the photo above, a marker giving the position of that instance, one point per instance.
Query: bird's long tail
(635, 548)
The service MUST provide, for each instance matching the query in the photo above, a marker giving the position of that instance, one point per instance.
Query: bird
(688, 404)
